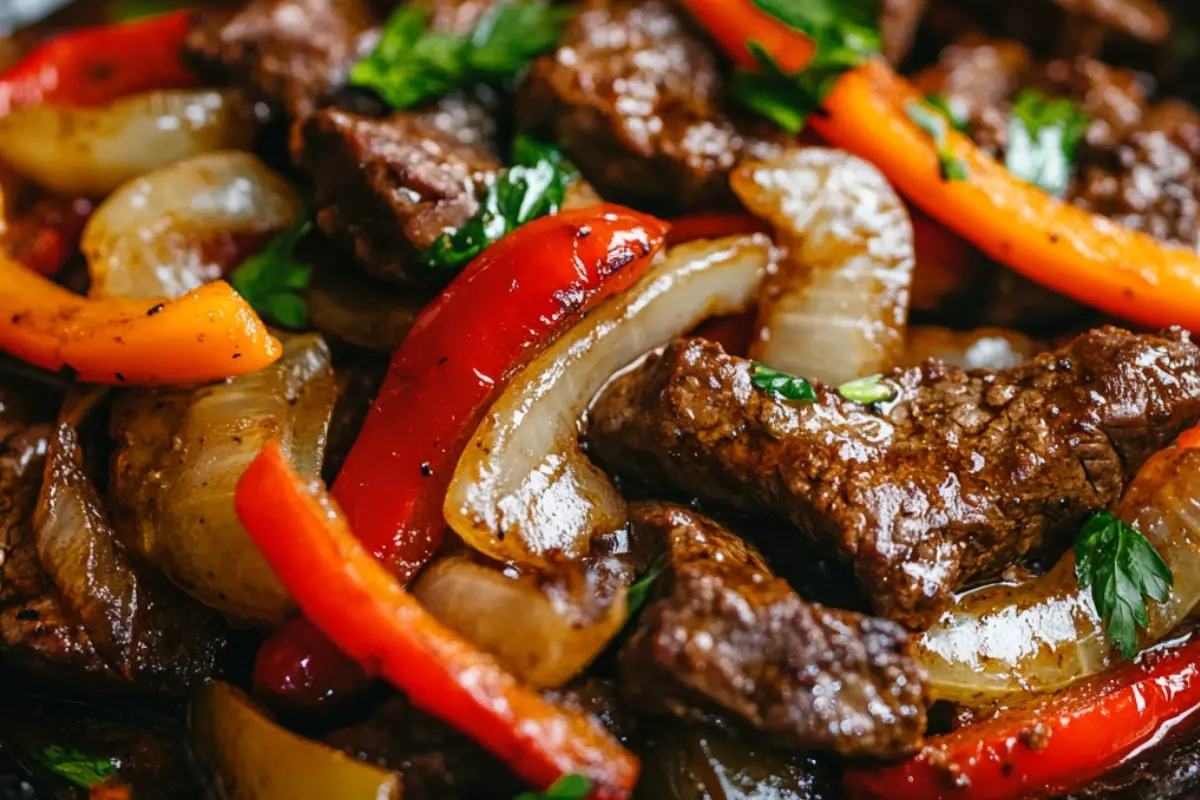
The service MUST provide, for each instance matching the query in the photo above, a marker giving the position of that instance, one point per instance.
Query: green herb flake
(568, 787)
(412, 63)
(845, 36)
(781, 384)
(77, 767)
(533, 187)
(1122, 568)
(271, 280)
(128, 10)
(639, 593)
(1043, 139)
(866, 391)
(930, 120)
(953, 109)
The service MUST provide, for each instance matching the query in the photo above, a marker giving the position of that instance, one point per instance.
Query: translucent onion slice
(837, 307)
(169, 232)
(523, 490)
(92, 151)
(1044, 634)
(982, 348)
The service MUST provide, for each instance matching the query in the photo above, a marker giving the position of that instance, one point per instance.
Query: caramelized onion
(982, 348)
(836, 308)
(523, 489)
(181, 454)
(92, 151)
(169, 232)
(1044, 634)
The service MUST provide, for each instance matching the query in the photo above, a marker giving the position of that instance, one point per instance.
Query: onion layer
(837, 307)
(180, 457)
(982, 348)
(92, 151)
(1045, 634)
(169, 232)
(523, 490)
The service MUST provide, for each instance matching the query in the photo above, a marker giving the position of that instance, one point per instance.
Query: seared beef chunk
(1138, 164)
(386, 189)
(898, 21)
(633, 95)
(964, 474)
(729, 638)
(291, 52)
(434, 760)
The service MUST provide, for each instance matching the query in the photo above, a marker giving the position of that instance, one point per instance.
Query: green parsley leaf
(271, 279)
(845, 36)
(127, 10)
(1043, 138)
(639, 593)
(412, 63)
(77, 767)
(1122, 568)
(534, 187)
(867, 390)
(568, 787)
(953, 109)
(930, 120)
(781, 384)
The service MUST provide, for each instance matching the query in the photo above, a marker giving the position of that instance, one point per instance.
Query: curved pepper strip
(93, 66)
(1053, 745)
(208, 334)
(507, 305)
(353, 599)
(734, 23)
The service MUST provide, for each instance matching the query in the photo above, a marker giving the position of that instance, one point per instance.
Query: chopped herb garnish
(1043, 138)
(568, 787)
(953, 109)
(789, 387)
(77, 767)
(930, 120)
(271, 279)
(412, 63)
(871, 389)
(639, 593)
(845, 36)
(127, 10)
(534, 187)
(1122, 568)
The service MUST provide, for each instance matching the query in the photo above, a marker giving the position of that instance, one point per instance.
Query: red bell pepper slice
(93, 66)
(508, 304)
(345, 591)
(1052, 745)
(713, 225)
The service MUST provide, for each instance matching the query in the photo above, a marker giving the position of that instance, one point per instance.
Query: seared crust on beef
(963, 475)
(386, 189)
(634, 97)
(731, 639)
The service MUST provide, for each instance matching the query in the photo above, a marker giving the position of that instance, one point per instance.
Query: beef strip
(731, 638)
(964, 474)
(386, 189)
(633, 95)
(290, 52)
(898, 21)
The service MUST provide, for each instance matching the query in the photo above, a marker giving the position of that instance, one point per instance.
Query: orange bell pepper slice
(356, 602)
(1087, 257)
(208, 334)
(735, 23)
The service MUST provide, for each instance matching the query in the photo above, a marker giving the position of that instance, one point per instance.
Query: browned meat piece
(633, 96)
(291, 52)
(898, 21)
(964, 474)
(386, 189)
(730, 638)
(1147, 20)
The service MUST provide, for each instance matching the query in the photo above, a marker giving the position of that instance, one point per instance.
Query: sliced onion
(92, 151)
(545, 629)
(143, 629)
(982, 348)
(1044, 634)
(837, 307)
(181, 454)
(168, 232)
(523, 490)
